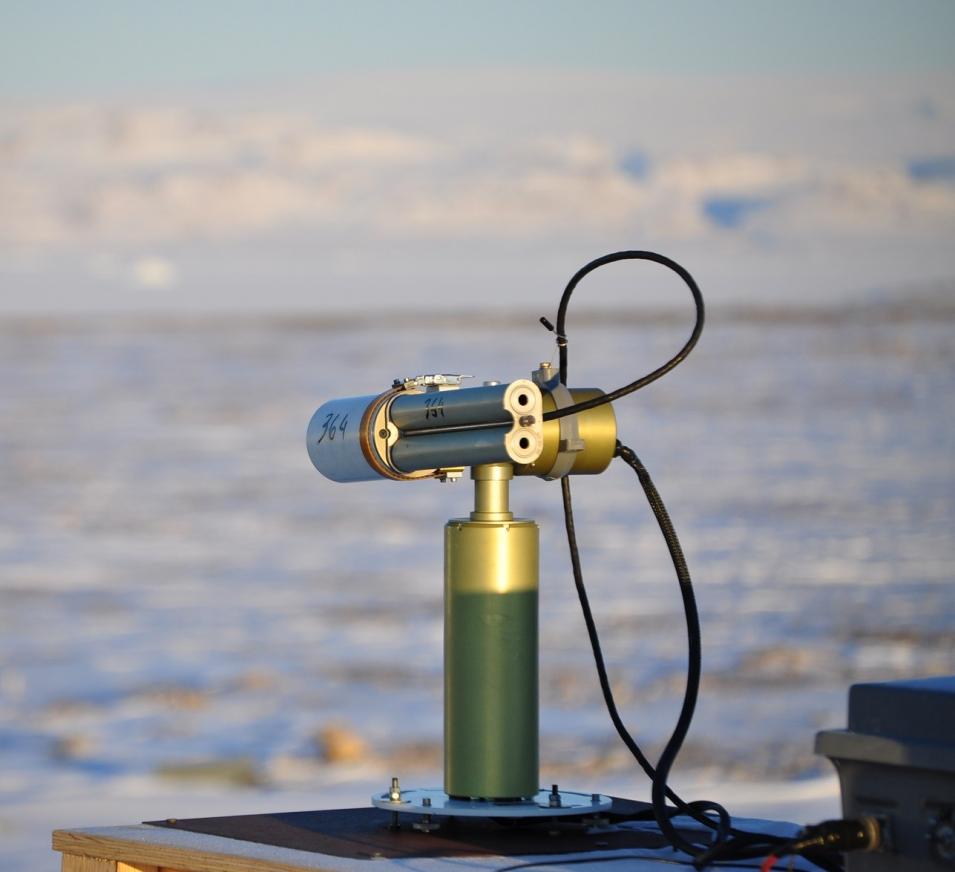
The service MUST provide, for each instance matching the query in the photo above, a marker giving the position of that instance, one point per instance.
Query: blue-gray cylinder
(334, 441)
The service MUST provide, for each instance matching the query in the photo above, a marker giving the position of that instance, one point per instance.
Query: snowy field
(195, 622)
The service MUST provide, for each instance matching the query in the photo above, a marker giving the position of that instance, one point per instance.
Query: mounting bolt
(395, 793)
(426, 802)
(554, 799)
(595, 797)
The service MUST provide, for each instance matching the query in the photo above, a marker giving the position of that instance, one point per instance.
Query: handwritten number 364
(331, 426)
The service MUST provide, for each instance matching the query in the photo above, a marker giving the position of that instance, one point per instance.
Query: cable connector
(854, 834)
(550, 328)
(829, 837)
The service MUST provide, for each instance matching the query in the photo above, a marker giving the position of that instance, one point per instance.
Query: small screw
(554, 800)
(426, 802)
(395, 793)
(382, 433)
(595, 797)
(526, 420)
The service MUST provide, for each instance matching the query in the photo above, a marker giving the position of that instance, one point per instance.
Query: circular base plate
(545, 804)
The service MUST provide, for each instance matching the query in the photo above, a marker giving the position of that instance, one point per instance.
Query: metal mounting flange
(547, 803)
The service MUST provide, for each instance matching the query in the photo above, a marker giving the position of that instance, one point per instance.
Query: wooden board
(339, 840)
(76, 863)
(143, 848)
(87, 864)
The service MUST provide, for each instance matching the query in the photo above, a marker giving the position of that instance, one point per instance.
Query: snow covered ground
(195, 622)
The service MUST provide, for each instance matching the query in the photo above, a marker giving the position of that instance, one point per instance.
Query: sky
(64, 47)
(318, 156)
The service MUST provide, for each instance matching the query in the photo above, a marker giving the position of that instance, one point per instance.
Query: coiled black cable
(729, 843)
(642, 382)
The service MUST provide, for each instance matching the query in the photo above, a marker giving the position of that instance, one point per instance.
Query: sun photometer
(431, 426)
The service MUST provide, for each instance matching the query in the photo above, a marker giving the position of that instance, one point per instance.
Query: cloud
(153, 272)
(89, 175)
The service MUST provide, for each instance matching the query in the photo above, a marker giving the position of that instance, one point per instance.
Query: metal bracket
(437, 381)
(570, 443)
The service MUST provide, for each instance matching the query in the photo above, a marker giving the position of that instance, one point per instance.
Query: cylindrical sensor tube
(334, 440)
(460, 447)
(440, 409)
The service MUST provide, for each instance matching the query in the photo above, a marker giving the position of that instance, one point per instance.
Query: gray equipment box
(896, 762)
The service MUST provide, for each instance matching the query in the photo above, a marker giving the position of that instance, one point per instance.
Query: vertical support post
(491, 569)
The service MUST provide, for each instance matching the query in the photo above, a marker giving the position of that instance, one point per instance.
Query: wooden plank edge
(75, 863)
(134, 853)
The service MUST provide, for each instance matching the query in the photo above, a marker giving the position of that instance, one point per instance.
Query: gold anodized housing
(491, 581)
(597, 429)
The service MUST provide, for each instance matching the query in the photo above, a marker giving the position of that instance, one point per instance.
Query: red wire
(768, 863)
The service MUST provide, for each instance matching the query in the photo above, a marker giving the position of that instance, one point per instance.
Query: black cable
(595, 646)
(565, 487)
(694, 659)
(697, 809)
(642, 382)
(652, 858)
(729, 843)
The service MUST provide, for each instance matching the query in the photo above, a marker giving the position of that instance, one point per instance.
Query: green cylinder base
(490, 659)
